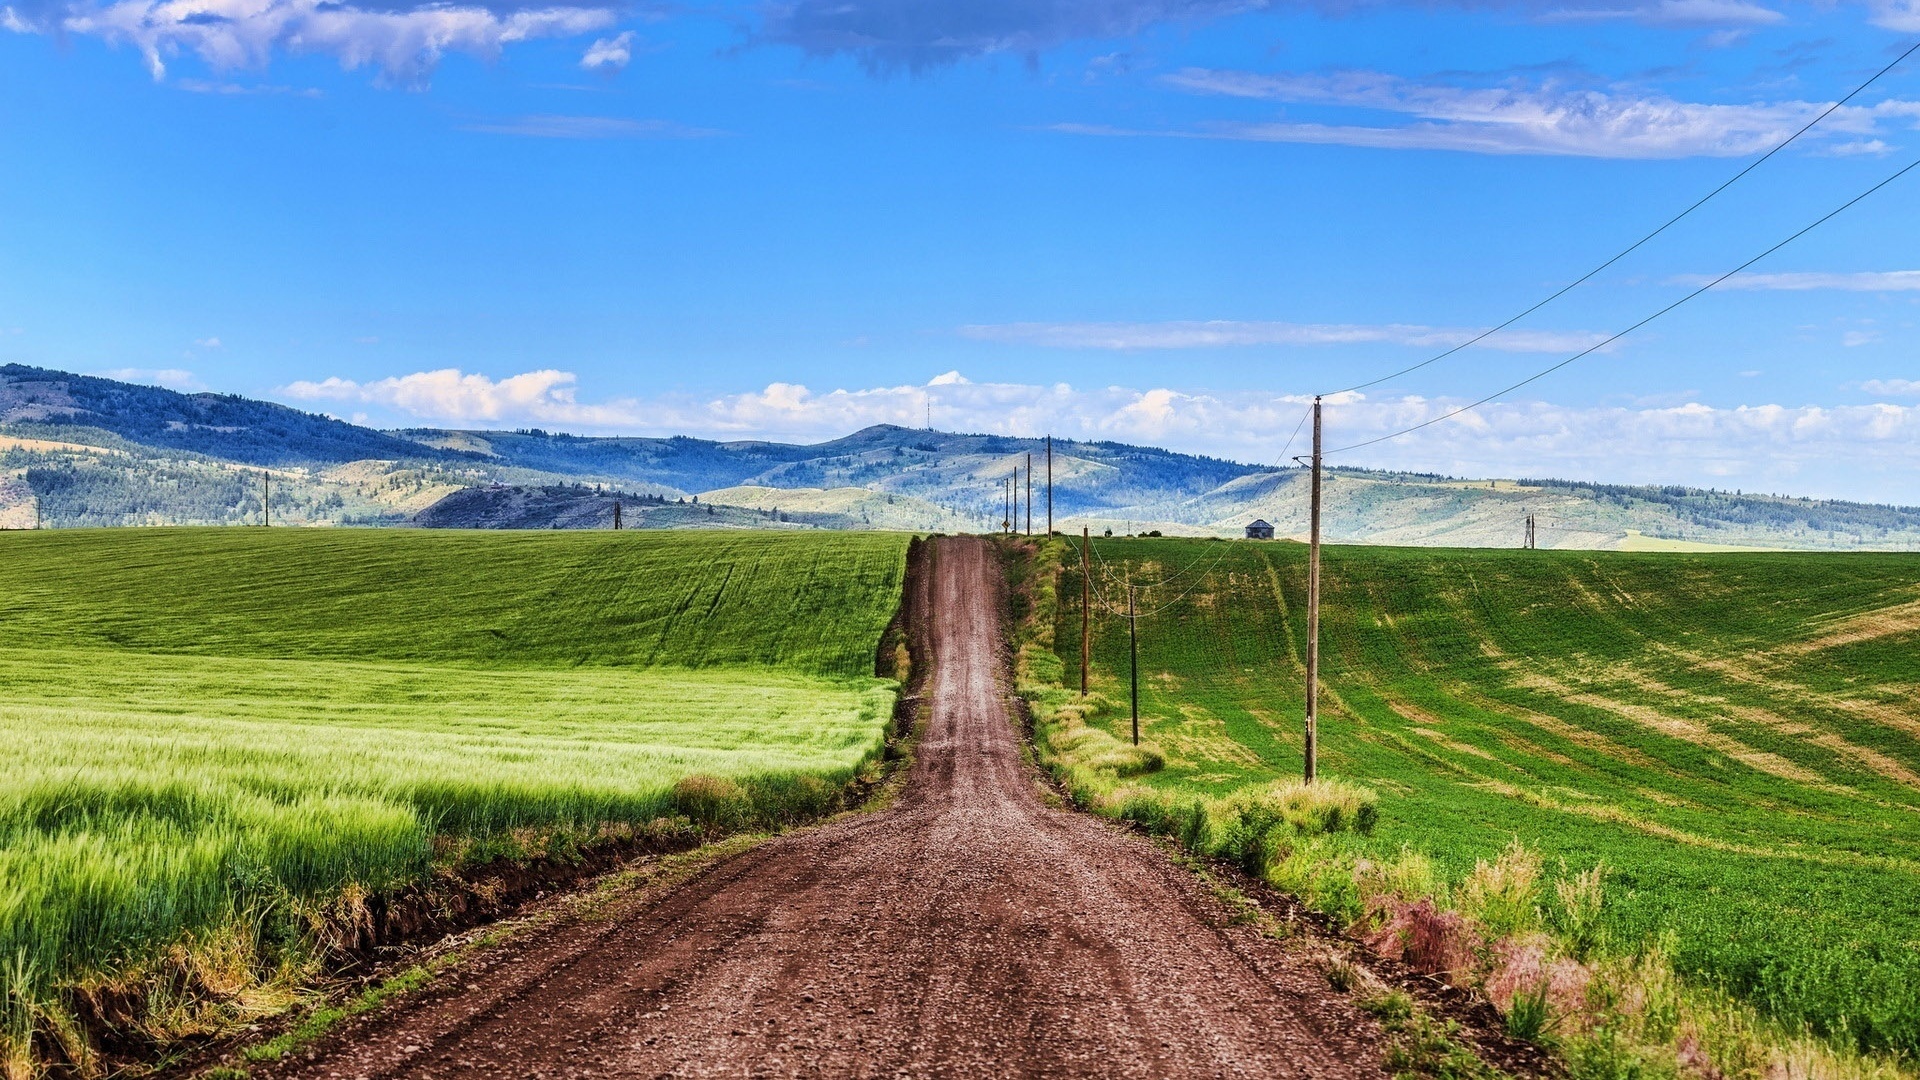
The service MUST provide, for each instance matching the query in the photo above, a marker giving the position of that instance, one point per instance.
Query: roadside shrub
(1528, 1016)
(1533, 988)
(713, 803)
(1604, 1053)
(1323, 872)
(1577, 917)
(1096, 749)
(1427, 939)
(1192, 827)
(1504, 895)
(1248, 838)
(1386, 884)
(1319, 808)
(787, 798)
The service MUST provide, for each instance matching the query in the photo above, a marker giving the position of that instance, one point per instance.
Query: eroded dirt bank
(967, 930)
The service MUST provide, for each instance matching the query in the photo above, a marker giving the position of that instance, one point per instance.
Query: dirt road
(967, 930)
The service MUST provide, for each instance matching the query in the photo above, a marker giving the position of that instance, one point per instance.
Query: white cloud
(1864, 451)
(452, 395)
(1900, 15)
(1854, 338)
(403, 44)
(609, 54)
(1544, 119)
(1685, 13)
(1871, 281)
(170, 378)
(1892, 387)
(232, 89)
(590, 127)
(1219, 332)
(207, 342)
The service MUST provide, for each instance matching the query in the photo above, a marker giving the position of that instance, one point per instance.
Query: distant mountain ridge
(80, 450)
(219, 425)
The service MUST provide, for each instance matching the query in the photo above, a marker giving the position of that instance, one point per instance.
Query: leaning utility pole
(1029, 493)
(1086, 599)
(1313, 609)
(1133, 662)
(1049, 485)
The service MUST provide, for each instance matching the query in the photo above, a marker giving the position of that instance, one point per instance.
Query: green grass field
(208, 728)
(1735, 736)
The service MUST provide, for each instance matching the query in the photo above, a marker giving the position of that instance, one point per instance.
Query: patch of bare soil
(965, 930)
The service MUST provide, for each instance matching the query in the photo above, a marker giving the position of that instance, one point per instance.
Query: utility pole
(1313, 610)
(1086, 600)
(1049, 485)
(266, 498)
(1029, 493)
(1133, 662)
(1006, 508)
(616, 514)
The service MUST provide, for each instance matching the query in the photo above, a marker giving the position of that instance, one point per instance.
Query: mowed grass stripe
(1722, 730)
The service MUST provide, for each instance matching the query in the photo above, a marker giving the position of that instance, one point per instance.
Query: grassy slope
(1736, 736)
(201, 725)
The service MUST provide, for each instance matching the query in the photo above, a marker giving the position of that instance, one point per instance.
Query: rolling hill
(85, 451)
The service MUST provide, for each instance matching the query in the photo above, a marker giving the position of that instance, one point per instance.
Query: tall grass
(211, 739)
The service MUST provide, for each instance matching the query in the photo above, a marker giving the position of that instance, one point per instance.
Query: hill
(77, 451)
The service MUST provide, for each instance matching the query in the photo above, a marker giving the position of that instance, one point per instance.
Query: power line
(1636, 245)
(1218, 557)
(1304, 413)
(1544, 372)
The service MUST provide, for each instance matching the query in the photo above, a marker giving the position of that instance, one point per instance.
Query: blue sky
(1152, 220)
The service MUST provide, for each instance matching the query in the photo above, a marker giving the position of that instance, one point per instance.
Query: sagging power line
(1637, 244)
(1611, 338)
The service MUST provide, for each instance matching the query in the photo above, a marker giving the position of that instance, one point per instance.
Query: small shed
(1259, 530)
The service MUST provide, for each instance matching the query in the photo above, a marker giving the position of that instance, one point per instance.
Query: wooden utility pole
(1029, 493)
(1086, 601)
(616, 513)
(1133, 662)
(266, 498)
(1313, 610)
(1049, 485)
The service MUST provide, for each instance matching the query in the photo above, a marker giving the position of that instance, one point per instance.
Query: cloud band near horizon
(1867, 451)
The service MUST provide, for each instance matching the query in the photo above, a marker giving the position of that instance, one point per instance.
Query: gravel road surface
(965, 930)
